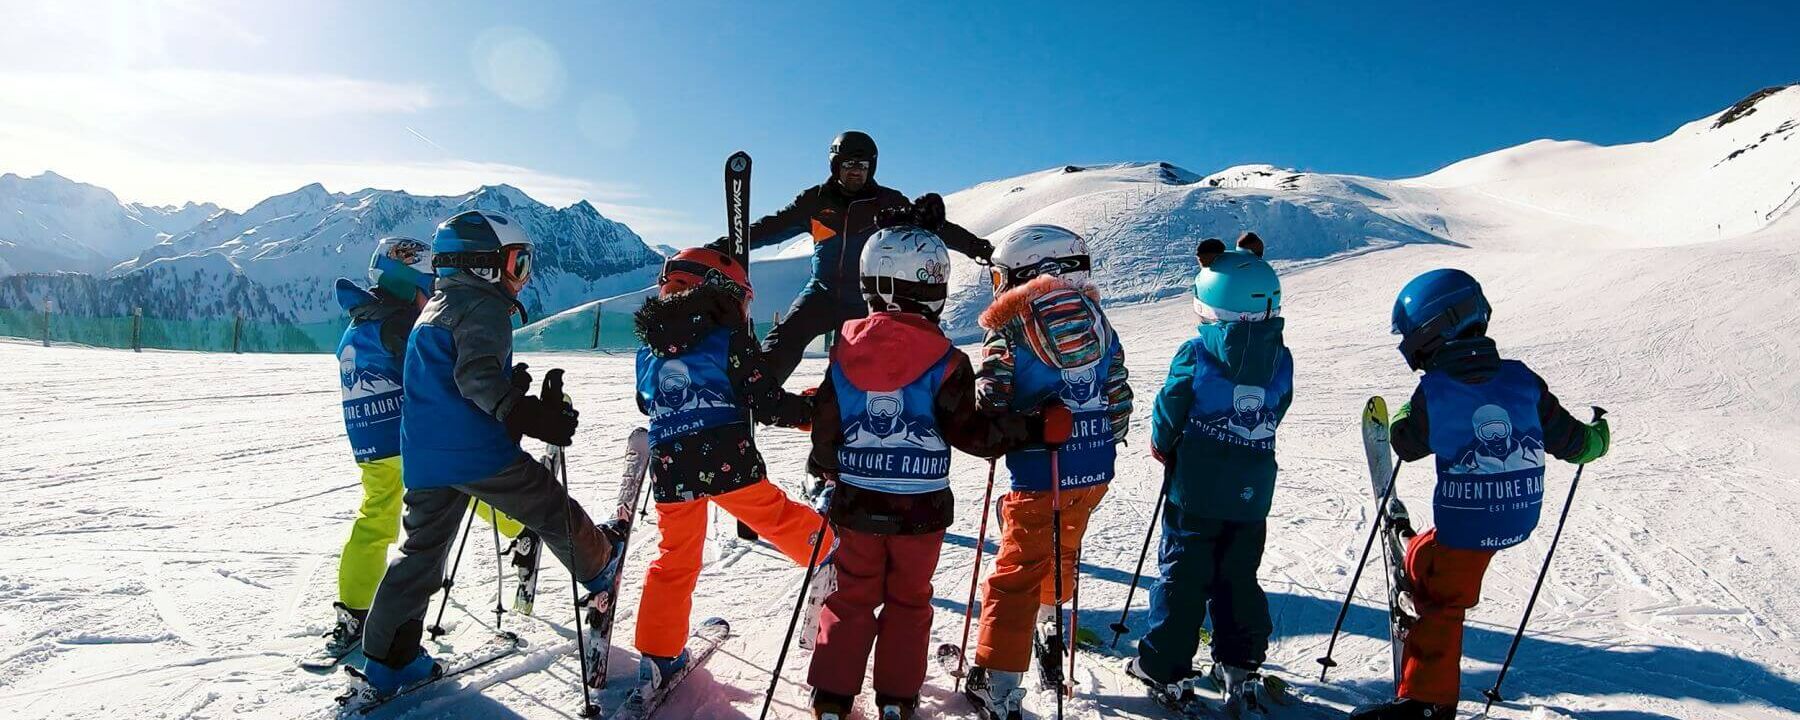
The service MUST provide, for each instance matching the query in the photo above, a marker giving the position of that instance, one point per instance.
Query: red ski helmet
(698, 266)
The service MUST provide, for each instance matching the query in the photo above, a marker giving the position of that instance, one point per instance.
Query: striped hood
(1055, 318)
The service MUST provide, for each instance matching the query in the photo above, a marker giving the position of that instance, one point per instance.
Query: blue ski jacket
(1216, 416)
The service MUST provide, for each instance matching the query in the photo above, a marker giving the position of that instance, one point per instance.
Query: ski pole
(974, 577)
(812, 563)
(499, 569)
(437, 626)
(1120, 628)
(1493, 694)
(553, 388)
(1056, 644)
(1074, 619)
(1374, 528)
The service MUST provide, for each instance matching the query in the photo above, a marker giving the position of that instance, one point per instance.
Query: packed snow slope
(177, 516)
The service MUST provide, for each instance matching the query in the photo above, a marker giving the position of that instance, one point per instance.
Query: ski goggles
(1048, 266)
(855, 164)
(700, 274)
(515, 262)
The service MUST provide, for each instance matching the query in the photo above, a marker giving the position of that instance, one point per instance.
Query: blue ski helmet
(1435, 307)
(1235, 284)
(401, 266)
(485, 243)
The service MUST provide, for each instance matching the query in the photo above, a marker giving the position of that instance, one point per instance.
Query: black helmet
(853, 144)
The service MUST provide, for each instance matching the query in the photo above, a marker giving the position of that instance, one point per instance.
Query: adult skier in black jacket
(840, 214)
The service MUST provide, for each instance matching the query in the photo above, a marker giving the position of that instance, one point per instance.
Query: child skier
(700, 378)
(466, 407)
(1046, 338)
(370, 374)
(1490, 422)
(1214, 431)
(897, 395)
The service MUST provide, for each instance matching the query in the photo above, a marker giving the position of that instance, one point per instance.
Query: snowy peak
(295, 244)
(51, 223)
(1747, 106)
(1730, 173)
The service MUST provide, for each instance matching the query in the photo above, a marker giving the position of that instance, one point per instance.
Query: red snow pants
(662, 620)
(1023, 576)
(1446, 582)
(892, 572)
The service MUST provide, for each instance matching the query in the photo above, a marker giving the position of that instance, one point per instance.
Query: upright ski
(603, 607)
(1396, 526)
(701, 645)
(737, 232)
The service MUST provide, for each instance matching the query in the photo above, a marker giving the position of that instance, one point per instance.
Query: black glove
(928, 211)
(723, 244)
(551, 422)
(521, 378)
(895, 216)
(982, 251)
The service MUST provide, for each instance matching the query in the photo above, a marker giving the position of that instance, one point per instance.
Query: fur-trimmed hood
(670, 325)
(1060, 321)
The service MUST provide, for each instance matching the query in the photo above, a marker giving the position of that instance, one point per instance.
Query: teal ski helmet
(1235, 284)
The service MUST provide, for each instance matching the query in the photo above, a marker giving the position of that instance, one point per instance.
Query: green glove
(1401, 414)
(1595, 445)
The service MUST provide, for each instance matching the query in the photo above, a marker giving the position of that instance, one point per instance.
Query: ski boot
(382, 680)
(896, 708)
(347, 634)
(654, 671)
(1404, 709)
(1178, 696)
(1049, 648)
(527, 549)
(824, 583)
(996, 694)
(1242, 689)
(831, 706)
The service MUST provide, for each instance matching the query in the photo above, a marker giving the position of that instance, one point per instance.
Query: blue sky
(635, 105)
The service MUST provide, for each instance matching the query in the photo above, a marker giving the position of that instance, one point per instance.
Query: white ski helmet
(905, 269)
(1034, 250)
(401, 266)
(489, 245)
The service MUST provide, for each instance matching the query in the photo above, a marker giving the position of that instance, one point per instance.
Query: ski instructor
(840, 214)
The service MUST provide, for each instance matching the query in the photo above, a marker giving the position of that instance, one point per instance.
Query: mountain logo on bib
(884, 425)
(675, 391)
(359, 382)
(1497, 447)
(1081, 388)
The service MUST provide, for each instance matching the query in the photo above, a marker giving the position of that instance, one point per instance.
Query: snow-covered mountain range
(275, 262)
(50, 223)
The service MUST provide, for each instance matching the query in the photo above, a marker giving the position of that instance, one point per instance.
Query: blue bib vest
(1238, 415)
(444, 438)
(1087, 458)
(370, 379)
(1489, 445)
(690, 392)
(891, 439)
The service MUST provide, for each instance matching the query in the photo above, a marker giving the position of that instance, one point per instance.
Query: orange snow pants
(1446, 583)
(662, 620)
(1022, 576)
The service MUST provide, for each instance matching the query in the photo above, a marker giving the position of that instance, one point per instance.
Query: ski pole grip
(553, 384)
